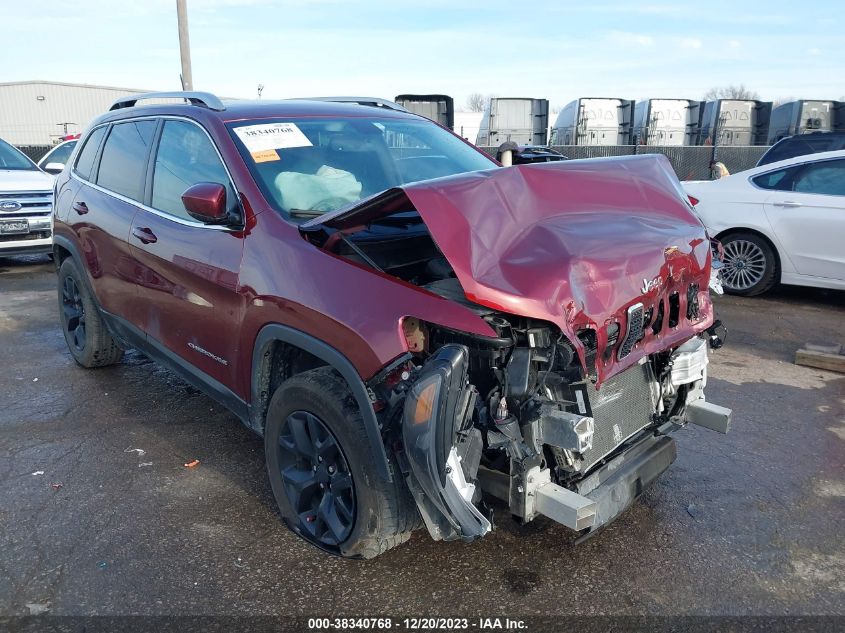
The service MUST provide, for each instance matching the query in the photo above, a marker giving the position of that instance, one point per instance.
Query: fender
(70, 246)
(335, 359)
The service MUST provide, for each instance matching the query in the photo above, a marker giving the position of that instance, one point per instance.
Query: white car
(26, 204)
(782, 222)
(54, 161)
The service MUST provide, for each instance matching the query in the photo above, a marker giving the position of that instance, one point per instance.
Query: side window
(85, 161)
(827, 177)
(124, 160)
(779, 180)
(185, 157)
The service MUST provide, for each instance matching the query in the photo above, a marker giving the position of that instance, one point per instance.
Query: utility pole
(184, 44)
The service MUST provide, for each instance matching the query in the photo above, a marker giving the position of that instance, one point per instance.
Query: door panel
(188, 271)
(809, 219)
(188, 283)
(102, 223)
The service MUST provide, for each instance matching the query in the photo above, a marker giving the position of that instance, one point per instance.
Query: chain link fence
(35, 152)
(594, 151)
(690, 162)
(738, 157)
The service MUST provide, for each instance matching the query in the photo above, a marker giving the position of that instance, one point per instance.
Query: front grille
(21, 195)
(32, 203)
(635, 330)
(620, 408)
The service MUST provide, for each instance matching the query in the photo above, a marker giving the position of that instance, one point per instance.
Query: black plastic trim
(617, 484)
(190, 374)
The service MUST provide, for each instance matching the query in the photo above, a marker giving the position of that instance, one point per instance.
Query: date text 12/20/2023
(417, 624)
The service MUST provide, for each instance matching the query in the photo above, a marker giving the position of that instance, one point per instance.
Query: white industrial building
(40, 112)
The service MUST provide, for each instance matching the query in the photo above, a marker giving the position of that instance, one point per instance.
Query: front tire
(322, 470)
(87, 338)
(750, 264)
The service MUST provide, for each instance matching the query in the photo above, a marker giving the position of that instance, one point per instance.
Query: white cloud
(625, 38)
(815, 51)
(734, 44)
(689, 42)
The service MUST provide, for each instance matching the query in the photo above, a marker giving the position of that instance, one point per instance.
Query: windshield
(307, 167)
(13, 159)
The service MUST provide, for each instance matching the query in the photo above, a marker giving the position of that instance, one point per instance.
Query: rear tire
(322, 470)
(86, 335)
(750, 264)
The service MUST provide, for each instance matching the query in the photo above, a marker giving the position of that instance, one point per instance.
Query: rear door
(112, 178)
(807, 214)
(188, 270)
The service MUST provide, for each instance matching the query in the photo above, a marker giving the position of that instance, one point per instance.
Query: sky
(543, 49)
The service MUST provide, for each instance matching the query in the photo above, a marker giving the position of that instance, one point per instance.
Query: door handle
(144, 234)
(787, 203)
(80, 207)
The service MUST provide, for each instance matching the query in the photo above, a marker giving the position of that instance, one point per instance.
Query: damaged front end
(591, 279)
(544, 440)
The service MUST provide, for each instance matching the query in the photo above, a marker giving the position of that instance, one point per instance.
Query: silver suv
(26, 202)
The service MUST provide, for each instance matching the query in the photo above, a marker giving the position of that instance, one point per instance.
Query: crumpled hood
(575, 243)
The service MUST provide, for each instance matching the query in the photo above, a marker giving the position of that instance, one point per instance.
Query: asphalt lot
(748, 523)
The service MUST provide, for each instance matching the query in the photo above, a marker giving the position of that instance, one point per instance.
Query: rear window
(124, 161)
(798, 146)
(89, 151)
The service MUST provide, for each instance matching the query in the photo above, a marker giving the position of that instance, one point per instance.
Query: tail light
(693, 201)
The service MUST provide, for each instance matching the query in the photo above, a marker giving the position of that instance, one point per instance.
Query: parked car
(53, 162)
(26, 195)
(529, 154)
(408, 325)
(783, 221)
(801, 145)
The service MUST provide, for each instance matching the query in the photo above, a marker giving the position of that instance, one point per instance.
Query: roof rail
(376, 102)
(204, 99)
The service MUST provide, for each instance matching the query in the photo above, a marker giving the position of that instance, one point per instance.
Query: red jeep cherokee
(411, 327)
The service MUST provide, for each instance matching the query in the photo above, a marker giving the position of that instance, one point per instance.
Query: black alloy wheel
(73, 314)
(317, 478)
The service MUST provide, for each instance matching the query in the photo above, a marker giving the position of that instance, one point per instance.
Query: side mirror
(54, 168)
(206, 202)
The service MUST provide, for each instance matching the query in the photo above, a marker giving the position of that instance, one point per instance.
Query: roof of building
(72, 85)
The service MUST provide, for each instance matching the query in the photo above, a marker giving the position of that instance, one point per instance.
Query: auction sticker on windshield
(263, 140)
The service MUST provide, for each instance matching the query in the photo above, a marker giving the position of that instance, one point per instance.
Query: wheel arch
(64, 248)
(274, 344)
(761, 235)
